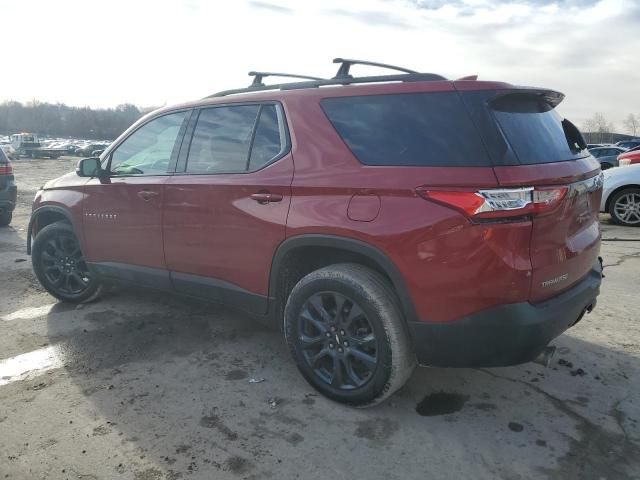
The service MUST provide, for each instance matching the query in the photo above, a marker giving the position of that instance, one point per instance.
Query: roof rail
(258, 76)
(345, 65)
(342, 78)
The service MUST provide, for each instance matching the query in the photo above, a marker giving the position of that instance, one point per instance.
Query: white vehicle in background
(29, 145)
(9, 151)
(621, 195)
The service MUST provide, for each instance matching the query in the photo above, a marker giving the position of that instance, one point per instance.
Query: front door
(225, 214)
(122, 211)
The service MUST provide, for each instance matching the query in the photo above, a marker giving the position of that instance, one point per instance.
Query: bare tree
(599, 128)
(632, 124)
(49, 119)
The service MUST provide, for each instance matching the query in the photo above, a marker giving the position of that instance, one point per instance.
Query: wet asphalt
(144, 386)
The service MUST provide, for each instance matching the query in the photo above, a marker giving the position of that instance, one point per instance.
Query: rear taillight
(498, 203)
(624, 162)
(6, 169)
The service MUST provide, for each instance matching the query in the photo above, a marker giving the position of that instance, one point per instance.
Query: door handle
(265, 197)
(147, 194)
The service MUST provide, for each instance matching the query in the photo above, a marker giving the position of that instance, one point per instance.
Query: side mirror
(89, 167)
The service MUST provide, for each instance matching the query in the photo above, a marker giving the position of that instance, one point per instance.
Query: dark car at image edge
(8, 190)
(379, 222)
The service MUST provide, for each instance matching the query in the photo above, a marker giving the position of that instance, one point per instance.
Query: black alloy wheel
(64, 266)
(60, 266)
(337, 340)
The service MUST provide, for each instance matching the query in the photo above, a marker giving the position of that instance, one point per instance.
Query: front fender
(58, 211)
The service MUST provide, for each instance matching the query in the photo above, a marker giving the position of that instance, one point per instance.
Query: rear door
(226, 209)
(547, 152)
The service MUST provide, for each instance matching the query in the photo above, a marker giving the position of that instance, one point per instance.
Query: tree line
(598, 129)
(60, 120)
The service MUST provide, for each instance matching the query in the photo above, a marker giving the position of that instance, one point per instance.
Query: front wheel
(60, 266)
(624, 207)
(346, 333)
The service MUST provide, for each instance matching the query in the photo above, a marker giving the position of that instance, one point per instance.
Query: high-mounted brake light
(6, 169)
(498, 203)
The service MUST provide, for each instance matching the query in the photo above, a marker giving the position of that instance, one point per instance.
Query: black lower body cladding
(506, 335)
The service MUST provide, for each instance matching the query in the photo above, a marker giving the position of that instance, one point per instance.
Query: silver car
(621, 195)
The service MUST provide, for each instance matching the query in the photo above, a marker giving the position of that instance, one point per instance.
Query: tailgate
(565, 241)
(535, 149)
(565, 244)
(552, 157)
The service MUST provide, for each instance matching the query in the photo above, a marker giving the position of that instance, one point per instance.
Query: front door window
(148, 150)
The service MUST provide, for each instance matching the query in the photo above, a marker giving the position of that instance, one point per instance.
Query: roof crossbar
(258, 76)
(345, 65)
(342, 78)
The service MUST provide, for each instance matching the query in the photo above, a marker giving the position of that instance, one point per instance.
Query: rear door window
(418, 129)
(221, 139)
(236, 139)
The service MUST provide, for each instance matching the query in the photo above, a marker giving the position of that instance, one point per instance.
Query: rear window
(423, 129)
(535, 132)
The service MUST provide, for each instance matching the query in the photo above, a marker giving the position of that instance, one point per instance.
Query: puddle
(29, 313)
(29, 365)
(441, 403)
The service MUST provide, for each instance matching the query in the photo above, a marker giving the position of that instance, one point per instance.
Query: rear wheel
(60, 266)
(346, 333)
(5, 218)
(624, 207)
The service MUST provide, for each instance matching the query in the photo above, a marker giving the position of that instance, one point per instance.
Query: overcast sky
(103, 53)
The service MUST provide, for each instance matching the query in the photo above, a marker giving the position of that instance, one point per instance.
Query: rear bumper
(8, 196)
(506, 335)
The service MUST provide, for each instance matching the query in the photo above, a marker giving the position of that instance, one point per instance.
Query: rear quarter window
(423, 129)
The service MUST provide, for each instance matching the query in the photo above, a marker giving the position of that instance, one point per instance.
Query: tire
(624, 207)
(605, 166)
(370, 369)
(60, 267)
(5, 218)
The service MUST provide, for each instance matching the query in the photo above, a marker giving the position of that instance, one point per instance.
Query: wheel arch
(46, 215)
(301, 254)
(607, 204)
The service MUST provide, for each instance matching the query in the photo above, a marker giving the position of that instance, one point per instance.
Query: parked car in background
(607, 156)
(629, 144)
(414, 220)
(88, 150)
(69, 148)
(8, 190)
(621, 195)
(629, 157)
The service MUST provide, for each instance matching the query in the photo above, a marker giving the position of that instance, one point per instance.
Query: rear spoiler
(525, 99)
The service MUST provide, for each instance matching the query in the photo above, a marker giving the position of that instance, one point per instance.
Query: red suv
(378, 221)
